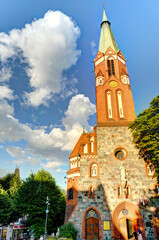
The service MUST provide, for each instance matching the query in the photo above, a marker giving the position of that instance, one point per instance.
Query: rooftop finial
(84, 130)
(103, 5)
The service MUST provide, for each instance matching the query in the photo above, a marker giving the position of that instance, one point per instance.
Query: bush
(68, 231)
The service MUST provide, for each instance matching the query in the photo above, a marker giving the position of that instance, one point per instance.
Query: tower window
(120, 104)
(70, 194)
(109, 104)
(112, 65)
(111, 69)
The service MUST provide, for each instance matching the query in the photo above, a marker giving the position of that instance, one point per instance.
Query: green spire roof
(106, 37)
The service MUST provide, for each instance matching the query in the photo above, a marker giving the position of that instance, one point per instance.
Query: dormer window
(111, 69)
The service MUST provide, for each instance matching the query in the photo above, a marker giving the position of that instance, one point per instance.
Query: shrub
(68, 231)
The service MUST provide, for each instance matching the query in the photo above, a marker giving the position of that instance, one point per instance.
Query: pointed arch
(119, 96)
(93, 169)
(100, 222)
(126, 211)
(111, 66)
(109, 104)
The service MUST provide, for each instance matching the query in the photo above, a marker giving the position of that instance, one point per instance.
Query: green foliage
(68, 231)
(52, 238)
(145, 131)
(6, 207)
(10, 183)
(38, 228)
(31, 200)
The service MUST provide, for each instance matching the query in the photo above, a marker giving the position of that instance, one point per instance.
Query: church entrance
(126, 228)
(126, 218)
(92, 228)
(92, 225)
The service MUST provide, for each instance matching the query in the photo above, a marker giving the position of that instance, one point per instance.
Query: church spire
(106, 37)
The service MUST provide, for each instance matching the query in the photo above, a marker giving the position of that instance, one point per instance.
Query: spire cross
(103, 5)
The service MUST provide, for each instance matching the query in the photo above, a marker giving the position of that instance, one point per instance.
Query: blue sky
(47, 90)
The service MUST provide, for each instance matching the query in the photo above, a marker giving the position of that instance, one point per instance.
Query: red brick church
(108, 186)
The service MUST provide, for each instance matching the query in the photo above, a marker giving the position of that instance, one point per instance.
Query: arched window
(120, 104)
(109, 104)
(70, 194)
(93, 170)
(111, 69)
(150, 170)
(119, 191)
(128, 192)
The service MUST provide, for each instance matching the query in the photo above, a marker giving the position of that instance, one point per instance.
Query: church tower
(114, 99)
(108, 186)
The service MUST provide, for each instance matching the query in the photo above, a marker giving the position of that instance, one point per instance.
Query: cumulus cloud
(51, 147)
(49, 46)
(5, 74)
(6, 92)
(79, 110)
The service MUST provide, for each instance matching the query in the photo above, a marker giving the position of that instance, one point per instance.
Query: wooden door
(92, 228)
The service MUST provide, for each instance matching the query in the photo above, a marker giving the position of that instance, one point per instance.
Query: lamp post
(47, 211)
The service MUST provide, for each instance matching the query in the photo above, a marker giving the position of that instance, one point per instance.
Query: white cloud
(93, 48)
(60, 170)
(52, 146)
(79, 110)
(5, 74)
(6, 92)
(50, 165)
(15, 151)
(49, 46)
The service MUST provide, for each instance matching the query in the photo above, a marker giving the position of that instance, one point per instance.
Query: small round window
(120, 154)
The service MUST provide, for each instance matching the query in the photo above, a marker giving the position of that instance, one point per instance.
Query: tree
(10, 183)
(145, 132)
(30, 200)
(6, 208)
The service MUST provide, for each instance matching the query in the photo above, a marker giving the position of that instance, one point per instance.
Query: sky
(47, 84)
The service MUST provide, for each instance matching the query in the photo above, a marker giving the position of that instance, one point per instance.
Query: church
(109, 187)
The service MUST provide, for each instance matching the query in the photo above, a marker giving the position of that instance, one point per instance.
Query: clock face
(113, 84)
